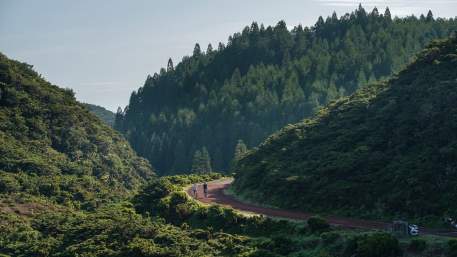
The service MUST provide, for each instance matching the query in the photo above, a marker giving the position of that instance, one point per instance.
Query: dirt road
(216, 195)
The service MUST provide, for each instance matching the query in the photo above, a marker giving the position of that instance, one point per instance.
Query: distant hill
(389, 150)
(263, 79)
(104, 114)
(52, 146)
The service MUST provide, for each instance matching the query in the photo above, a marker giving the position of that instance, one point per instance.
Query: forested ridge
(104, 114)
(388, 151)
(71, 186)
(263, 79)
(52, 146)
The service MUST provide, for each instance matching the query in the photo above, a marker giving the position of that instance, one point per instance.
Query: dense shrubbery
(114, 230)
(164, 198)
(117, 230)
(452, 248)
(51, 146)
(388, 150)
(265, 78)
(374, 245)
(318, 224)
(417, 245)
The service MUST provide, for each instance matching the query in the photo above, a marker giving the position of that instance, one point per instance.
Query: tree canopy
(263, 79)
(388, 151)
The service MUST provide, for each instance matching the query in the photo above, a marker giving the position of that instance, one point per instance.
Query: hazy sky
(104, 49)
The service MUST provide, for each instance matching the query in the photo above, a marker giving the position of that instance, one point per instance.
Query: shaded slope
(390, 149)
(51, 145)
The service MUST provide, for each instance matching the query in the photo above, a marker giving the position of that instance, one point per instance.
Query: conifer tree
(209, 49)
(197, 50)
(240, 150)
(206, 161)
(387, 14)
(170, 66)
(202, 161)
(430, 16)
(119, 119)
(220, 46)
(196, 162)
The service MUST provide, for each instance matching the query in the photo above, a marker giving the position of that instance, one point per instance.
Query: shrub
(330, 237)
(318, 224)
(452, 248)
(378, 245)
(284, 245)
(417, 245)
(150, 196)
(8, 184)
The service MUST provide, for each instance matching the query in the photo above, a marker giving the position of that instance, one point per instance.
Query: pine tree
(119, 119)
(240, 150)
(220, 47)
(320, 22)
(197, 50)
(375, 12)
(170, 66)
(202, 161)
(206, 161)
(430, 16)
(196, 162)
(209, 49)
(387, 14)
(334, 17)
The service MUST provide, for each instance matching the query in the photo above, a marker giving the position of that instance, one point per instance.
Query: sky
(104, 49)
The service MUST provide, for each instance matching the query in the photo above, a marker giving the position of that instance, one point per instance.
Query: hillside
(104, 114)
(52, 146)
(263, 79)
(389, 150)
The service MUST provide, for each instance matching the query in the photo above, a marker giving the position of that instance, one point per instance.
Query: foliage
(240, 150)
(201, 162)
(176, 208)
(263, 79)
(50, 145)
(104, 114)
(318, 224)
(417, 245)
(375, 245)
(114, 230)
(386, 151)
(452, 248)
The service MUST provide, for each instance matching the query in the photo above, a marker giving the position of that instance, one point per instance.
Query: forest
(262, 79)
(354, 116)
(398, 133)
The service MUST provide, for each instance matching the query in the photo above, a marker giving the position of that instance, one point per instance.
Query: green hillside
(52, 146)
(263, 79)
(104, 114)
(389, 150)
(61, 167)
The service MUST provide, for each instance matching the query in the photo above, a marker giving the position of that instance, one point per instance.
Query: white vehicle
(413, 230)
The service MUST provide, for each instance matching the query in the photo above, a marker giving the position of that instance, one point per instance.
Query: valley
(335, 138)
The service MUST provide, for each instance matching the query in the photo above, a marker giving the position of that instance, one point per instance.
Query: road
(216, 195)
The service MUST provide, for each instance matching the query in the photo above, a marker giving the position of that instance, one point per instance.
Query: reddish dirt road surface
(216, 195)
